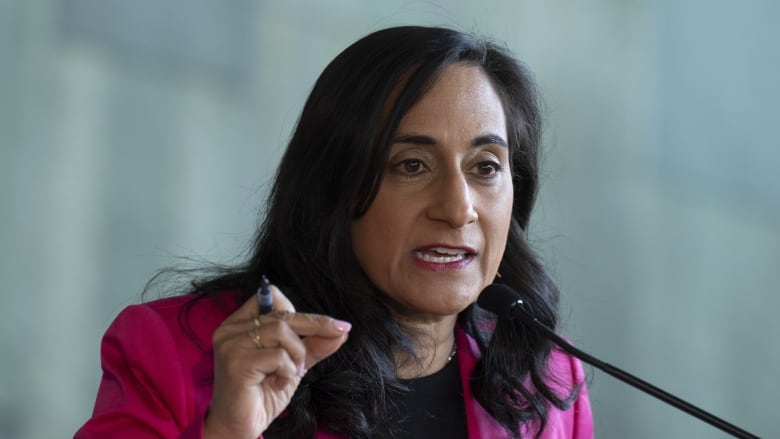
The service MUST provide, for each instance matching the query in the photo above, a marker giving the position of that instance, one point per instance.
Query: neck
(434, 340)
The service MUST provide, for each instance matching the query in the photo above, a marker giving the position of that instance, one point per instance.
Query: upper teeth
(448, 251)
(442, 255)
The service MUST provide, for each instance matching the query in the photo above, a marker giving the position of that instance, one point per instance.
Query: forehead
(461, 95)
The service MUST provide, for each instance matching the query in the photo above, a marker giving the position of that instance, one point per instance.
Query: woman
(405, 190)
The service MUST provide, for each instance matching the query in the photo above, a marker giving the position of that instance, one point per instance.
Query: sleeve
(145, 391)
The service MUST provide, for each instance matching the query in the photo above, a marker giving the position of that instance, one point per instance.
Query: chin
(453, 307)
(449, 308)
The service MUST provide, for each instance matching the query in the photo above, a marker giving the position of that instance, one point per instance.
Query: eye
(488, 169)
(409, 167)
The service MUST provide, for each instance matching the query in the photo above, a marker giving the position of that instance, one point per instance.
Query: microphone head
(499, 299)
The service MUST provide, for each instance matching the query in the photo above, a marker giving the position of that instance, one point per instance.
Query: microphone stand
(631, 379)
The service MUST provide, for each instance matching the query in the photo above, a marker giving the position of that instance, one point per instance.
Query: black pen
(264, 296)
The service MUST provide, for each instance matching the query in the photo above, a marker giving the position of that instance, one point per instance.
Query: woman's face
(435, 234)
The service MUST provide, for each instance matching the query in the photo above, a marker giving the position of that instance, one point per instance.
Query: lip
(454, 258)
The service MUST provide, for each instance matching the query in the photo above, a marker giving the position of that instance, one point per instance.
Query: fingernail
(341, 325)
(301, 370)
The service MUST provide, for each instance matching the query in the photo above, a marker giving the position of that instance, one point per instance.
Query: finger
(279, 334)
(259, 365)
(242, 355)
(309, 338)
(319, 348)
(321, 333)
(306, 324)
(281, 302)
(278, 366)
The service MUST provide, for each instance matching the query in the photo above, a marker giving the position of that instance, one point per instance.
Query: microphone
(506, 303)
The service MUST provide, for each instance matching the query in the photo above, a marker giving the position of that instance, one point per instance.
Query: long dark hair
(329, 176)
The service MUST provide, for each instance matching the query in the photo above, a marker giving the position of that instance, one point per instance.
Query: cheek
(498, 229)
(497, 237)
(375, 237)
(364, 243)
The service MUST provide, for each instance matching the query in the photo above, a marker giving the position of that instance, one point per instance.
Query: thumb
(319, 347)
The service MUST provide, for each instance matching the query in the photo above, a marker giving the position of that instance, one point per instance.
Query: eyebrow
(420, 139)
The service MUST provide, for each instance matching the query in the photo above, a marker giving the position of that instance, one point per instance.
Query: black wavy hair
(330, 174)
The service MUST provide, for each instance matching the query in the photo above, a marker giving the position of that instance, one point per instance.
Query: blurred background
(132, 133)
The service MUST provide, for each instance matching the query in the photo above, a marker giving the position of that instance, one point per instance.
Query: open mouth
(442, 255)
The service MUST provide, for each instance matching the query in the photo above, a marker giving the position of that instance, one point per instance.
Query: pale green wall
(132, 132)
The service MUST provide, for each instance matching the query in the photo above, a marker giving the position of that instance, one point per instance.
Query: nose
(452, 201)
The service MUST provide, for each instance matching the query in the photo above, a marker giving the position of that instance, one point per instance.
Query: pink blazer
(157, 378)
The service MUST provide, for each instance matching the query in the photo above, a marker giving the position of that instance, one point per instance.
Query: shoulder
(158, 366)
(179, 318)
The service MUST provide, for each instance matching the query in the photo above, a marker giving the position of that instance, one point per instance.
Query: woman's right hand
(259, 362)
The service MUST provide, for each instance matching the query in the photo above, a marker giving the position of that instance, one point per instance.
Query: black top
(434, 407)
